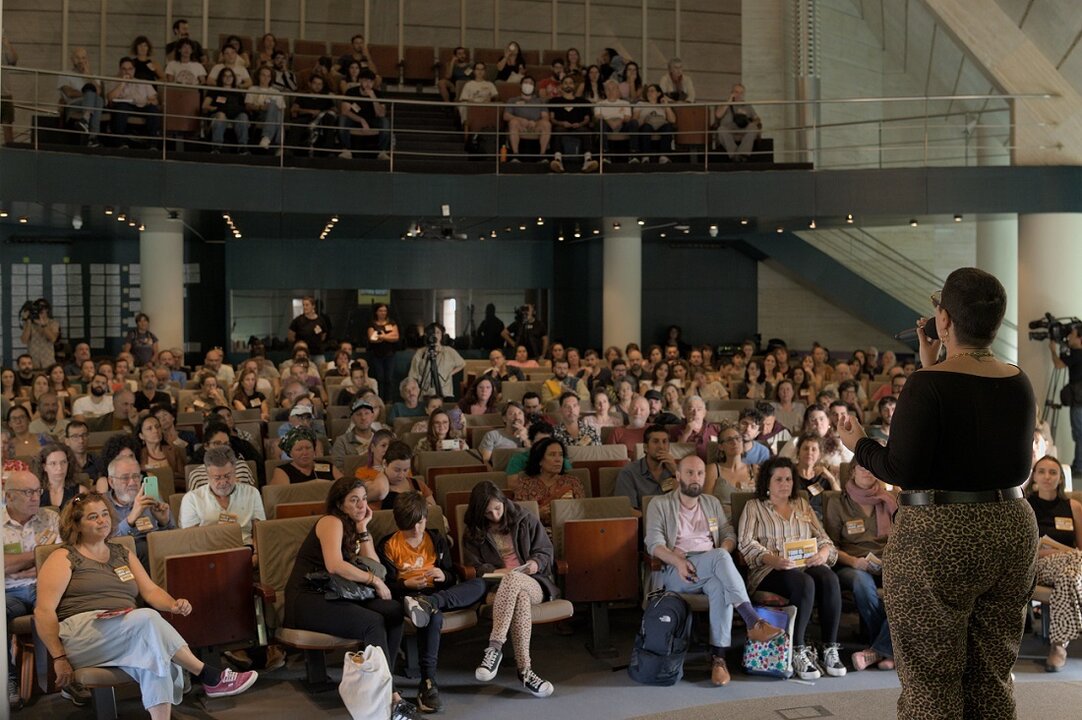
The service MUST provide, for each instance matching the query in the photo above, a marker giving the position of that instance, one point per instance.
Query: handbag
(366, 684)
(336, 587)
(773, 658)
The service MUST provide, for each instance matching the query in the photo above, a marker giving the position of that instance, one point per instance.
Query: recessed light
(849, 218)
(522, 226)
(913, 222)
(664, 235)
(540, 221)
(238, 236)
(225, 216)
(121, 218)
(3, 213)
(560, 237)
(24, 219)
(596, 231)
(616, 226)
(108, 211)
(132, 223)
(713, 228)
(142, 227)
(492, 234)
(334, 219)
(811, 224)
(780, 229)
(957, 218)
(641, 222)
(743, 221)
(578, 234)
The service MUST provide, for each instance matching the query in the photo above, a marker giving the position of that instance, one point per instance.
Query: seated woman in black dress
(300, 444)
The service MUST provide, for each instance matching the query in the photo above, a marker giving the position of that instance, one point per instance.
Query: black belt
(957, 497)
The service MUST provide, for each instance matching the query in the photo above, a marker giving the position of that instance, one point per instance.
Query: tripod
(1051, 407)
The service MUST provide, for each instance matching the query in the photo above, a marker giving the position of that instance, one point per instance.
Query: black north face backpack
(662, 642)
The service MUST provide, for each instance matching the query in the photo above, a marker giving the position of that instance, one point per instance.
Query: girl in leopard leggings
(503, 539)
(1058, 565)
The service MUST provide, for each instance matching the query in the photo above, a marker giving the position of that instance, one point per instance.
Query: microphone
(910, 334)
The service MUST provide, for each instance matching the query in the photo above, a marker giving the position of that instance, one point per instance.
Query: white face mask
(527, 89)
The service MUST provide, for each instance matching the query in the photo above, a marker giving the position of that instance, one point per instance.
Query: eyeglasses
(78, 436)
(130, 478)
(29, 493)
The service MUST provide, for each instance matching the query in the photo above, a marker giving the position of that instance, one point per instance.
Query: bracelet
(60, 657)
(364, 537)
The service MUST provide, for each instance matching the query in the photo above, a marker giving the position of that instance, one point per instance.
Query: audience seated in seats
(848, 395)
(338, 367)
(573, 62)
(365, 112)
(96, 403)
(210, 393)
(544, 479)
(500, 371)
(81, 100)
(526, 115)
(357, 437)
(676, 84)
(23, 442)
(604, 415)
(242, 55)
(776, 516)
(622, 392)
(592, 86)
(267, 45)
(149, 394)
(56, 467)
(550, 87)
(562, 382)
(522, 358)
(512, 66)
(216, 435)
(265, 105)
(395, 478)
(659, 375)
(514, 433)
(504, 540)
(689, 532)
(457, 69)
(440, 435)
(656, 123)
(480, 397)
(168, 359)
(817, 422)
(695, 429)
(702, 385)
(614, 119)
(631, 87)
(571, 428)
(593, 374)
(880, 428)
(341, 544)
(76, 438)
(313, 116)
(185, 69)
(419, 571)
(738, 125)
(652, 474)
(476, 90)
(374, 462)
(26, 525)
(357, 383)
(248, 397)
(432, 404)
(571, 119)
(49, 421)
(181, 32)
(671, 400)
(222, 497)
(225, 108)
(750, 424)
(130, 97)
(138, 514)
(772, 434)
(810, 474)
(448, 363)
(517, 462)
(89, 576)
(284, 77)
(302, 414)
(240, 440)
(634, 432)
(145, 67)
(729, 473)
(120, 445)
(610, 64)
(754, 385)
(300, 444)
(230, 59)
(891, 389)
(410, 406)
(358, 52)
(859, 523)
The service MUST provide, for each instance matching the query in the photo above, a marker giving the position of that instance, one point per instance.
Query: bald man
(82, 96)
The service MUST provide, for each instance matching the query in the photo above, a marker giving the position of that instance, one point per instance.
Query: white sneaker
(831, 662)
(557, 164)
(804, 663)
(383, 156)
(537, 686)
(590, 166)
(490, 664)
(264, 142)
(664, 160)
(633, 161)
(346, 155)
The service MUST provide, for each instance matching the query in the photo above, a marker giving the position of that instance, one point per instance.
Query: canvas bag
(366, 684)
(773, 658)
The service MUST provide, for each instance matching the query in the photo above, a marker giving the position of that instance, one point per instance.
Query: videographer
(529, 331)
(1071, 359)
(435, 365)
(40, 332)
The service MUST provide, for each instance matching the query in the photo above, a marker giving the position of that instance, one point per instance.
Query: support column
(997, 249)
(161, 266)
(1048, 257)
(621, 302)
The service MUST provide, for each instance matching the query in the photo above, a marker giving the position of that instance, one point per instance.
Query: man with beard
(880, 429)
(97, 404)
(650, 475)
(47, 421)
(76, 437)
(137, 514)
(24, 371)
(79, 355)
(122, 417)
(149, 394)
(689, 533)
(634, 432)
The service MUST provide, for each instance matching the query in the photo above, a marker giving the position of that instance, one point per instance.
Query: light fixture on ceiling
(24, 219)
(641, 221)
(597, 231)
(743, 221)
(540, 220)
(522, 226)
(616, 226)
(849, 218)
(121, 218)
(957, 218)
(913, 222)
(492, 234)
(560, 237)
(780, 229)
(3, 213)
(108, 210)
(334, 219)
(811, 225)
(142, 227)
(132, 223)
(664, 235)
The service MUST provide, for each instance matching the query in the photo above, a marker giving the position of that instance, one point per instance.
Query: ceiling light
(142, 227)
(780, 229)
(596, 231)
(713, 228)
(578, 234)
(108, 211)
(540, 221)
(913, 222)
(225, 216)
(957, 218)
(334, 218)
(849, 218)
(522, 226)
(492, 234)
(238, 236)
(616, 226)
(121, 218)
(3, 213)
(743, 221)
(132, 223)
(560, 237)
(641, 222)
(24, 219)
(663, 235)
(811, 224)
(507, 229)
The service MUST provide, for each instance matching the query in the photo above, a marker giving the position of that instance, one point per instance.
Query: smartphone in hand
(150, 487)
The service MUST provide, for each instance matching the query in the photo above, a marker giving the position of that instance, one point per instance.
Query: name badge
(355, 107)
(713, 524)
(322, 467)
(713, 438)
(255, 402)
(124, 573)
(199, 403)
(62, 393)
(13, 548)
(220, 99)
(1065, 523)
(854, 527)
(317, 330)
(815, 489)
(227, 518)
(143, 524)
(668, 484)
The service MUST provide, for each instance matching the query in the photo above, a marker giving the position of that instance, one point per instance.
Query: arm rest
(561, 567)
(266, 592)
(465, 572)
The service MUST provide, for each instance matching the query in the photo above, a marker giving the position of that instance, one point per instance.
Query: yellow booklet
(800, 550)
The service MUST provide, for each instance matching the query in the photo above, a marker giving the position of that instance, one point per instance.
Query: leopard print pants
(511, 611)
(1063, 573)
(957, 579)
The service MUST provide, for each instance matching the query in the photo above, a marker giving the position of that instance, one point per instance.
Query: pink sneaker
(231, 683)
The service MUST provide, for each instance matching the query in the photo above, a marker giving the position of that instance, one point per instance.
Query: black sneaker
(428, 696)
(403, 710)
(490, 664)
(419, 610)
(533, 683)
(76, 693)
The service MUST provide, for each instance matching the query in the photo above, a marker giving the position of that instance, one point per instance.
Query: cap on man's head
(361, 404)
(653, 395)
(301, 410)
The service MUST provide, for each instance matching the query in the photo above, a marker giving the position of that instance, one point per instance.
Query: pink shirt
(693, 535)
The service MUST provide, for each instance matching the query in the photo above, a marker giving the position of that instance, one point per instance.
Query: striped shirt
(764, 531)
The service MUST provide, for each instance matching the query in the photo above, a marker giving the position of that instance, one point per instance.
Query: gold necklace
(978, 354)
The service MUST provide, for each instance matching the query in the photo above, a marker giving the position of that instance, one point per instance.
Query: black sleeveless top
(1048, 512)
(296, 476)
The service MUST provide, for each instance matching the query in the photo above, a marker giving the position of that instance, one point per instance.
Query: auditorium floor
(585, 687)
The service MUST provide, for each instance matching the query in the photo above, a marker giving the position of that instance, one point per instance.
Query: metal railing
(484, 138)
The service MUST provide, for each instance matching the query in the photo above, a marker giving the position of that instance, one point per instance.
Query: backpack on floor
(773, 658)
(662, 642)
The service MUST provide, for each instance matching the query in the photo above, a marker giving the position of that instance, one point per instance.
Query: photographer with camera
(1071, 395)
(529, 331)
(40, 332)
(435, 365)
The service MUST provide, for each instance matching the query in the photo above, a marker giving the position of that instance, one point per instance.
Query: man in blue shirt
(750, 423)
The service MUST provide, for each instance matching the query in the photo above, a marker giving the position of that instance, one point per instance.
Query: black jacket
(531, 543)
(443, 562)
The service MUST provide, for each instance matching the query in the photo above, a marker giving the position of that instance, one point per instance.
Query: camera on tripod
(1050, 327)
(31, 310)
(432, 337)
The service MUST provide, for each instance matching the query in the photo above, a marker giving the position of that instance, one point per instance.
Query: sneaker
(556, 166)
(645, 161)
(403, 710)
(93, 141)
(514, 160)
(804, 663)
(346, 154)
(419, 610)
(590, 166)
(831, 662)
(533, 683)
(231, 683)
(264, 142)
(385, 158)
(77, 693)
(428, 696)
(664, 160)
(633, 161)
(15, 700)
(490, 664)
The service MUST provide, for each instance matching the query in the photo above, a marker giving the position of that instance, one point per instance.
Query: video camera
(432, 340)
(1054, 328)
(31, 310)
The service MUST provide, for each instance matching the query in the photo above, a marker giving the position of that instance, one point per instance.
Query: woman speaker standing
(961, 563)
